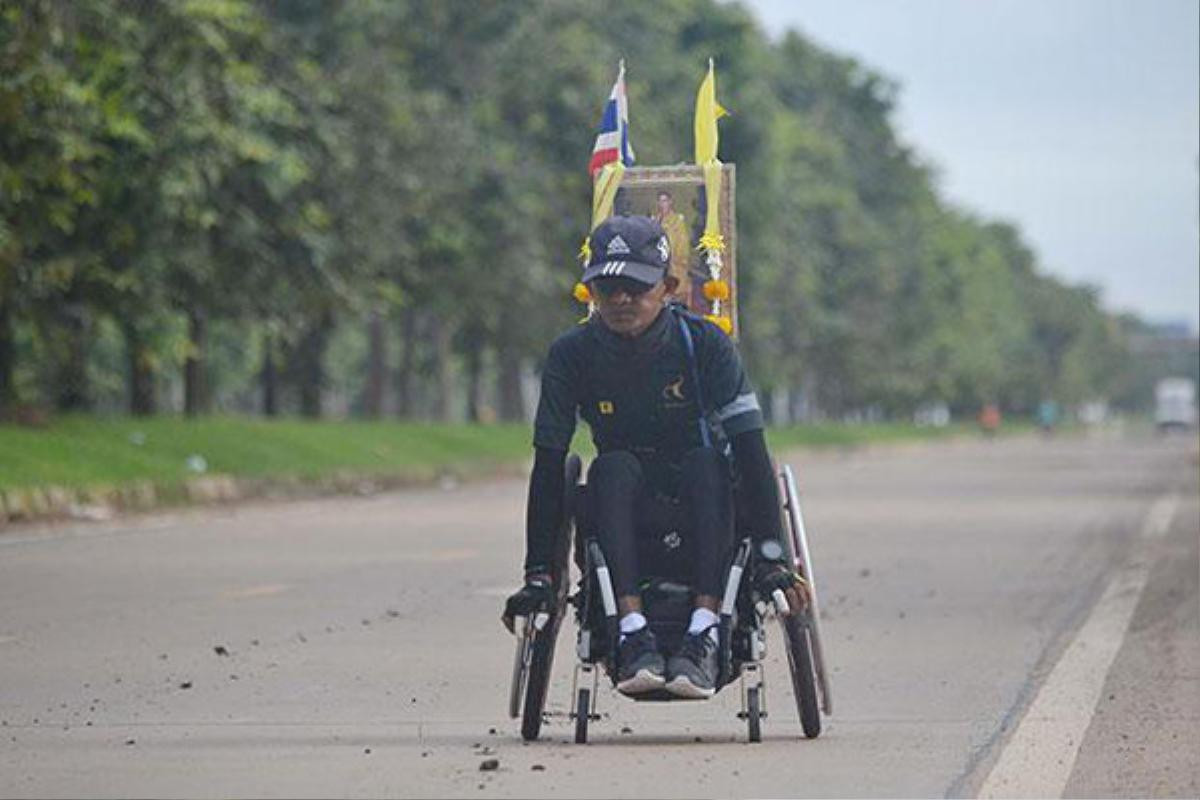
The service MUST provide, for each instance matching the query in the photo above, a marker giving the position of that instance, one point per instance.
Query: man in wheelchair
(676, 426)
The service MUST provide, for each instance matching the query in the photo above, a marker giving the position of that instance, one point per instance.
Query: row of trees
(257, 204)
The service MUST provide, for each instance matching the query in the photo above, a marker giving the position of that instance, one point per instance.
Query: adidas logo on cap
(617, 245)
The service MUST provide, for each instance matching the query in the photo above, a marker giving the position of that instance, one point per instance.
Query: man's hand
(771, 577)
(537, 593)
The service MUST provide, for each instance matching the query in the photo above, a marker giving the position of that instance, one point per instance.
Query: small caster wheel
(583, 710)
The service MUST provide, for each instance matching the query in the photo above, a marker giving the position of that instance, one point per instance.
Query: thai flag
(612, 142)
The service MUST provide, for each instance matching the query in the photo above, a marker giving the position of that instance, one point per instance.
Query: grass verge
(147, 463)
(829, 434)
(81, 451)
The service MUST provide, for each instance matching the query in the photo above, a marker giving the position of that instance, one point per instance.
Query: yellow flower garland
(716, 290)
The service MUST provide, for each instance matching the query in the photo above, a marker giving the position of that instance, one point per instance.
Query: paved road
(364, 657)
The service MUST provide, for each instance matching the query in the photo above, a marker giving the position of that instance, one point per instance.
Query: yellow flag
(712, 238)
(604, 191)
(708, 111)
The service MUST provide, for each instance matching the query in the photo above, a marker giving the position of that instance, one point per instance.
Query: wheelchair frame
(741, 630)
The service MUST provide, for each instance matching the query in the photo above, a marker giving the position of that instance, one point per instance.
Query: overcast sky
(1079, 120)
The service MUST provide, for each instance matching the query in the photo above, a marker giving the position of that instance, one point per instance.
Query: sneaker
(641, 663)
(694, 668)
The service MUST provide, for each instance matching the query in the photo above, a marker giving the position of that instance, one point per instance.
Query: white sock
(703, 618)
(631, 623)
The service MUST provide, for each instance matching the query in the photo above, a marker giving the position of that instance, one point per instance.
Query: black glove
(769, 577)
(536, 594)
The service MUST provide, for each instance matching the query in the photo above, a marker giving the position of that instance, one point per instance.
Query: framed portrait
(675, 197)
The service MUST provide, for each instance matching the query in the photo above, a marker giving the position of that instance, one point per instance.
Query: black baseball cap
(628, 247)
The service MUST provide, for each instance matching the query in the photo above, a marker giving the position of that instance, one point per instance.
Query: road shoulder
(1136, 745)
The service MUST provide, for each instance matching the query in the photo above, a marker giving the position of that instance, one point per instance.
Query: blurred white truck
(1175, 403)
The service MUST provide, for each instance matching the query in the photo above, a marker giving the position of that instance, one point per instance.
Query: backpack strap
(694, 372)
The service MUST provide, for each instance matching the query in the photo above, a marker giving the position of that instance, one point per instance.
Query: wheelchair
(742, 630)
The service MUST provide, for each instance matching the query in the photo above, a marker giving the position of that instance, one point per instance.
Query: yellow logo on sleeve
(606, 406)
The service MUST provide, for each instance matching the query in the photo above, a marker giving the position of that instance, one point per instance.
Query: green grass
(84, 451)
(829, 434)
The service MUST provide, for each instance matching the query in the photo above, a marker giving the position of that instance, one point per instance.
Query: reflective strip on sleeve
(742, 404)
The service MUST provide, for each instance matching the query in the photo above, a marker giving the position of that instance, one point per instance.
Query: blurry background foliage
(372, 208)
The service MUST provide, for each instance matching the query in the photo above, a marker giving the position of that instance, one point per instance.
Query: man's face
(665, 205)
(627, 307)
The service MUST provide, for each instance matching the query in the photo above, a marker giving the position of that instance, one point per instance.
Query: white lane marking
(1158, 519)
(1040, 756)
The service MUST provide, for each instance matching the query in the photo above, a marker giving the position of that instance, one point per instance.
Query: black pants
(634, 525)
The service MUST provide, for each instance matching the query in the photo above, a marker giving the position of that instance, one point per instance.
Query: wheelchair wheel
(583, 710)
(541, 665)
(535, 682)
(754, 713)
(796, 545)
(804, 675)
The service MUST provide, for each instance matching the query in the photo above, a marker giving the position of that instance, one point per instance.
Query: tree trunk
(474, 381)
(270, 379)
(8, 388)
(373, 394)
(141, 374)
(512, 404)
(71, 374)
(408, 364)
(311, 372)
(766, 401)
(443, 351)
(196, 398)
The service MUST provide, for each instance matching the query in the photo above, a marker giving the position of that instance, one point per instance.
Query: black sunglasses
(607, 287)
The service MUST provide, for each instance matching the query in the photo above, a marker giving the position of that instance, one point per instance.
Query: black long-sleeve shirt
(640, 395)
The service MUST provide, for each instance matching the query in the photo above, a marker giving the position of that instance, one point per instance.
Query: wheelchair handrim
(797, 545)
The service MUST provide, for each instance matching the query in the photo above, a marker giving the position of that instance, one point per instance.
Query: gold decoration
(716, 290)
(724, 323)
